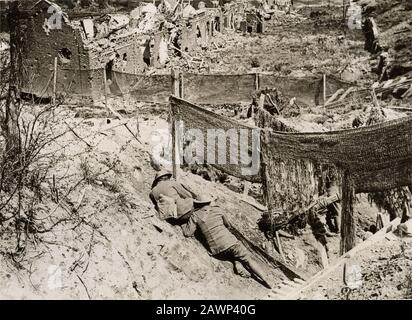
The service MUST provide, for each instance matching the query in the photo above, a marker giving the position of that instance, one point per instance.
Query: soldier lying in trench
(176, 203)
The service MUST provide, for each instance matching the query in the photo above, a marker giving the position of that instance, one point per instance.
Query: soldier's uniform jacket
(213, 225)
(175, 190)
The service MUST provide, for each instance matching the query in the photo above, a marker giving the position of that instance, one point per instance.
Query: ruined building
(86, 49)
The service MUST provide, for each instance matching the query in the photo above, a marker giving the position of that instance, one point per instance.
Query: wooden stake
(379, 221)
(257, 81)
(176, 91)
(181, 86)
(323, 254)
(246, 187)
(76, 135)
(175, 82)
(105, 90)
(375, 98)
(324, 91)
(280, 246)
(174, 149)
(54, 81)
(348, 237)
(343, 12)
(273, 259)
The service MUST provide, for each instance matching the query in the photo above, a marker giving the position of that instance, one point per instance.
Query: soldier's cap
(160, 174)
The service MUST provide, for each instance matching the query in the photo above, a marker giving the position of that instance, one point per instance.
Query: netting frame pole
(181, 85)
(257, 81)
(174, 149)
(54, 81)
(348, 225)
(176, 91)
(175, 82)
(324, 92)
(105, 92)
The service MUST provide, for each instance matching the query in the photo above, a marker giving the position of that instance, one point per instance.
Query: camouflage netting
(379, 156)
(264, 119)
(297, 164)
(293, 183)
(395, 201)
(194, 117)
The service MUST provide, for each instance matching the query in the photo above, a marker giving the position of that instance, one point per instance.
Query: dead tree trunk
(348, 227)
(10, 123)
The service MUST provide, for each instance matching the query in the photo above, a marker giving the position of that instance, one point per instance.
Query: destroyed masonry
(88, 47)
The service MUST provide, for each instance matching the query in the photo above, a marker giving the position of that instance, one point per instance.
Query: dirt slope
(385, 273)
(112, 245)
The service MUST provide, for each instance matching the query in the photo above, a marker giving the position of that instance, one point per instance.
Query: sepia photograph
(206, 155)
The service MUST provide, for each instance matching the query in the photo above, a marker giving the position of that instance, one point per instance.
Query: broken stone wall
(194, 33)
(42, 44)
(188, 36)
(160, 49)
(371, 36)
(125, 53)
(81, 58)
(251, 24)
(200, 30)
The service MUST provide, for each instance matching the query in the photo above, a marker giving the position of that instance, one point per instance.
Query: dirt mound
(384, 273)
(104, 239)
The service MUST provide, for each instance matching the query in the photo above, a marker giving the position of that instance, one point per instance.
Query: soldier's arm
(226, 221)
(189, 227)
(153, 199)
(187, 189)
(183, 191)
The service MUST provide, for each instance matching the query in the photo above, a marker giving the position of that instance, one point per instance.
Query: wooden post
(181, 86)
(324, 91)
(246, 188)
(176, 91)
(257, 81)
(343, 12)
(323, 254)
(280, 246)
(175, 82)
(54, 81)
(375, 98)
(174, 149)
(105, 91)
(175, 143)
(347, 229)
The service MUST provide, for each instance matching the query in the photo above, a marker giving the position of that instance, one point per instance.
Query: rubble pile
(390, 29)
(291, 45)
